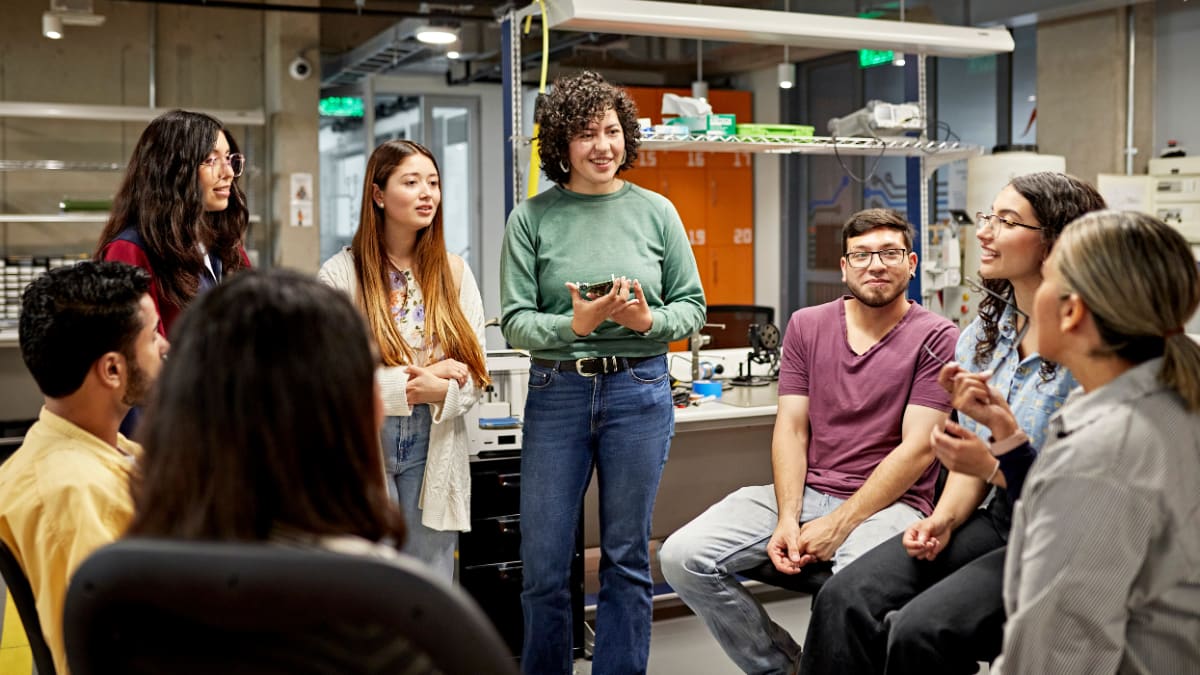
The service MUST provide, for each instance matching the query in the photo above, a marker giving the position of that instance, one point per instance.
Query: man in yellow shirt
(89, 336)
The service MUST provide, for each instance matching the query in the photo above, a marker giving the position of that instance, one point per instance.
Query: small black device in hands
(598, 288)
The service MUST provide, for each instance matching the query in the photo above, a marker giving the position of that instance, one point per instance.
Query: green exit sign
(871, 57)
(341, 106)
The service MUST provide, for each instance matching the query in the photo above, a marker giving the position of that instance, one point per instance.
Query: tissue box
(715, 125)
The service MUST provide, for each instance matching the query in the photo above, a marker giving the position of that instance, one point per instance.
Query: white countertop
(737, 407)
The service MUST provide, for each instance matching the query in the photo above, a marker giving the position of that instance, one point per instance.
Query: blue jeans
(621, 424)
(701, 558)
(405, 443)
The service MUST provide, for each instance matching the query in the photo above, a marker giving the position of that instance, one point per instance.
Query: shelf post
(916, 185)
(510, 75)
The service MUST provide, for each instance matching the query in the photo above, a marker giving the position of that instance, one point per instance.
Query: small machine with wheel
(764, 345)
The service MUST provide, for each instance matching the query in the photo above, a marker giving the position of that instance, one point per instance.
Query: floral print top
(408, 311)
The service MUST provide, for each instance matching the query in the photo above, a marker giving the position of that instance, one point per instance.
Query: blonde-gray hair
(1139, 279)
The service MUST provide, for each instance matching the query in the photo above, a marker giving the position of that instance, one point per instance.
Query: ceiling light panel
(735, 24)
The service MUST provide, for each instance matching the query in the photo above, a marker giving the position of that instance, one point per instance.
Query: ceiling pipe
(307, 9)
(530, 60)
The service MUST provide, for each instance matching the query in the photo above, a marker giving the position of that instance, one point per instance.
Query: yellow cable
(535, 170)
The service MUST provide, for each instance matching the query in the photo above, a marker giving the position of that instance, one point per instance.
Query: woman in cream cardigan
(424, 311)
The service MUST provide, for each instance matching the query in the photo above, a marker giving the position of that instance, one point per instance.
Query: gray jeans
(700, 560)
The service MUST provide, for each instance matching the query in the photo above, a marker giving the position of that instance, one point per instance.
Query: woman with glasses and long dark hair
(931, 600)
(425, 312)
(179, 212)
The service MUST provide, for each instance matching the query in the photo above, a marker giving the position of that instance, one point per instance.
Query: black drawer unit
(489, 556)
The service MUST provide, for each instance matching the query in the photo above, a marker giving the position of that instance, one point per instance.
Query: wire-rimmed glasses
(1024, 318)
(236, 161)
(888, 256)
(988, 219)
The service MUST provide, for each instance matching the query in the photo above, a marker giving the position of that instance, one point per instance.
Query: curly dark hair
(160, 198)
(1057, 199)
(572, 103)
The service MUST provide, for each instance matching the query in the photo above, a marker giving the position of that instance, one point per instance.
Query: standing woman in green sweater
(599, 394)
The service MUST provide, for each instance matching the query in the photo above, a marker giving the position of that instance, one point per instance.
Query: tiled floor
(15, 657)
(684, 645)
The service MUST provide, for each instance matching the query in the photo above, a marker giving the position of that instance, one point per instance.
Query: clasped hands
(794, 545)
(591, 311)
(430, 384)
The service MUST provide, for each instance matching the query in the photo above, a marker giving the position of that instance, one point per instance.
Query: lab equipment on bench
(494, 423)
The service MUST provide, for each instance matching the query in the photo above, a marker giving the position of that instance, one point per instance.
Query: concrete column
(1082, 75)
(291, 108)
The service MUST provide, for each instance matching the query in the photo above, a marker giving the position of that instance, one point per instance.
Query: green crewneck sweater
(560, 236)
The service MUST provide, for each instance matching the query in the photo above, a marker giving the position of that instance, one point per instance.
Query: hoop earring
(565, 169)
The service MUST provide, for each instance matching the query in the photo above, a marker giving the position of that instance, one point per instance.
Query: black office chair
(737, 320)
(156, 606)
(22, 594)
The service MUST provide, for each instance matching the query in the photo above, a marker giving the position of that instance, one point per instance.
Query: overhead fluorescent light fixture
(52, 26)
(759, 26)
(437, 34)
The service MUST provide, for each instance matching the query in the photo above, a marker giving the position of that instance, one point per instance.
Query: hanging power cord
(875, 165)
(535, 169)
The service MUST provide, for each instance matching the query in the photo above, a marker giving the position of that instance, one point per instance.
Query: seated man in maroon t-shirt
(858, 397)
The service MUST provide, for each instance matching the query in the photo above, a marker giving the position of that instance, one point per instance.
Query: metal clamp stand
(764, 340)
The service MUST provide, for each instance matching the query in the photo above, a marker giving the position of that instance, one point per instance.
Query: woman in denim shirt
(931, 600)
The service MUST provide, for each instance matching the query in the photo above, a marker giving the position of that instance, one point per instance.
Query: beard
(139, 385)
(876, 297)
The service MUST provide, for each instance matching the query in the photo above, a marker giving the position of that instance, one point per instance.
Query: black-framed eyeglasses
(987, 219)
(1024, 323)
(888, 256)
(236, 161)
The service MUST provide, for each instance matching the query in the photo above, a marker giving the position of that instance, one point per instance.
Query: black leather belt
(593, 365)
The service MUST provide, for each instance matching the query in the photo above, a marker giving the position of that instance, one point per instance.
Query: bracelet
(992, 475)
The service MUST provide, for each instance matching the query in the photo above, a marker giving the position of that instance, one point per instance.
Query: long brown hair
(160, 198)
(264, 418)
(1057, 199)
(444, 318)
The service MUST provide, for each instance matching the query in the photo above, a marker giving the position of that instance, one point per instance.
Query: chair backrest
(155, 606)
(22, 594)
(737, 320)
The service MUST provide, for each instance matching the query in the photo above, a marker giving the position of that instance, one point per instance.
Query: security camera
(300, 68)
